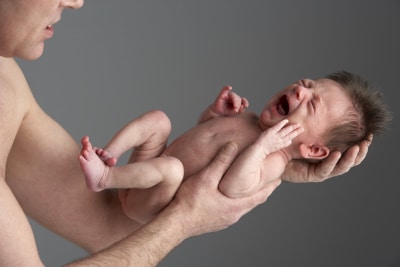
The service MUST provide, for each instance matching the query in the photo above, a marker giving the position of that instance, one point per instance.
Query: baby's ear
(314, 151)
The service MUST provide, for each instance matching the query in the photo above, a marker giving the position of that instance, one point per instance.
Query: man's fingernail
(230, 147)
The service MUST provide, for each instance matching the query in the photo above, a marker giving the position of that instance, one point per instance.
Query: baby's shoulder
(242, 118)
(249, 115)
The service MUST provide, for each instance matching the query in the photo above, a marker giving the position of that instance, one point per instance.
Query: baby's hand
(229, 103)
(279, 136)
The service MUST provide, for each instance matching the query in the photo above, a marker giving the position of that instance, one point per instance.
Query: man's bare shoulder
(12, 81)
(15, 102)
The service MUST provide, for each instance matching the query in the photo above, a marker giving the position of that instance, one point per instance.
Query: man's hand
(335, 164)
(203, 208)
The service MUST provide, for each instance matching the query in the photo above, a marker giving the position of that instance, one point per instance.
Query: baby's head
(368, 115)
(335, 112)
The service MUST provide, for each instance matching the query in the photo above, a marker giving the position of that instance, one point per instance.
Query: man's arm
(17, 244)
(145, 247)
(39, 163)
(44, 175)
(199, 207)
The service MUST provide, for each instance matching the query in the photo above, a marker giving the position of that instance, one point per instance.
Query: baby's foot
(95, 170)
(106, 157)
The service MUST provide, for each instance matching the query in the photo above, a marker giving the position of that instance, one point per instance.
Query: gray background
(113, 60)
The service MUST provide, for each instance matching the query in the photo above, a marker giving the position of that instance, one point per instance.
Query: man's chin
(33, 53)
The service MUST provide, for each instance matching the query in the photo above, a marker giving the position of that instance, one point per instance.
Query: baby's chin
(264, 125)
(265, 121)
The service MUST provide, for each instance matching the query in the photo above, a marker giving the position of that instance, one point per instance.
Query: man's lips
(50, 25)
(49, 31)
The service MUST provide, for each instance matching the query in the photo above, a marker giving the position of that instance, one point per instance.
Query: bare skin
(203, 142)
(94, 168)
(58, 198)
(225, 119)
(95, 221)
(37, 180)
(140, 175)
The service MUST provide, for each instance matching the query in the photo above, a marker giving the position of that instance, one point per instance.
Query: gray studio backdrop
(113, 60)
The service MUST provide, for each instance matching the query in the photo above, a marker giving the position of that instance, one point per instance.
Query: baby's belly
(198, 146)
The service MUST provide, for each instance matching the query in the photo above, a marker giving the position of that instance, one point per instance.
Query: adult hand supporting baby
(202, 206)
(335, 164)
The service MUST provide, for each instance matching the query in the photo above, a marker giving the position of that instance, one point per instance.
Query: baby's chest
(198, 146)
(210, 136)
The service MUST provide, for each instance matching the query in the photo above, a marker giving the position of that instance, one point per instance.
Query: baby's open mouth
(283, 106)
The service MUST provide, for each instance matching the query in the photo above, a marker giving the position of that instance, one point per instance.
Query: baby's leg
(147, 134)
(163, 171)
(144, 204)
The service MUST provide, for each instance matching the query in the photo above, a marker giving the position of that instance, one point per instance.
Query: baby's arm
(227, 103)
(253, 170)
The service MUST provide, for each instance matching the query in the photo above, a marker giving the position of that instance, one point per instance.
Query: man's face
(315, 105)
(26, 24)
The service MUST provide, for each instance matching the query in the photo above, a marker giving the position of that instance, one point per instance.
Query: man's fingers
(346, 162)
(336, 164)
(259, 197)
(221, 162)
(362, 153)
(263, 194)
(325, 168)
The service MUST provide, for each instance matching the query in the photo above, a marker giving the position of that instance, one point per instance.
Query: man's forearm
(146, 247)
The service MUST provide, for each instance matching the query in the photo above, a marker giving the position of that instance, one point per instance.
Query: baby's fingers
(245, 104)
(277, 127)
(291, 131)
(236, 101)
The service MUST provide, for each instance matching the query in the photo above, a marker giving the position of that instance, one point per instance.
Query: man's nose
(74, 4)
